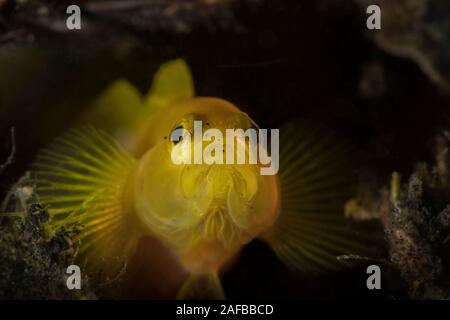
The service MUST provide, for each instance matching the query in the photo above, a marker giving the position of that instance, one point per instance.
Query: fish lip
(208, 176)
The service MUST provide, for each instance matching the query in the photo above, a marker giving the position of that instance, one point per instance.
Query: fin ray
(316, 179)
(80, 178)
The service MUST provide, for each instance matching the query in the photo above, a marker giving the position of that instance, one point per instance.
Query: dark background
(284, 59)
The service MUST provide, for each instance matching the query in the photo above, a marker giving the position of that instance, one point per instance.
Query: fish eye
(177, 134)
(183, 128)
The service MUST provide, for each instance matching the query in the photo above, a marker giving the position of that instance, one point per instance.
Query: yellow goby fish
(116, 180)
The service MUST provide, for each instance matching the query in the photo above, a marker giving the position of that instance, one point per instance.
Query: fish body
(205, 213)
(116, 179)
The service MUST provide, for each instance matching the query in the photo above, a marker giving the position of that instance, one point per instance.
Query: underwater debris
(117, 23)
(416, 222)
(414, 245)
(33, 262)
(418, 30)
(173, 16)
(361, 208)
(418, 228)
(365, 205)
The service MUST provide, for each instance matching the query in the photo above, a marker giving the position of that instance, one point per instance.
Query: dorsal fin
(121, 110)
(173, 82)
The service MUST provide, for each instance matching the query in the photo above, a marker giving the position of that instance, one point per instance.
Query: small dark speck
(165, 138)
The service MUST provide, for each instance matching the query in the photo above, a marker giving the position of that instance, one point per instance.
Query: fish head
(186, 190)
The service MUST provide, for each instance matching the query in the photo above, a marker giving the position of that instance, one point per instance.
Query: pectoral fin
(80, 178)
(317, 176)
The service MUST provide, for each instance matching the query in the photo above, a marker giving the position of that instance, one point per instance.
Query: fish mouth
(220, 188)
(221, 196)
(184, 204)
